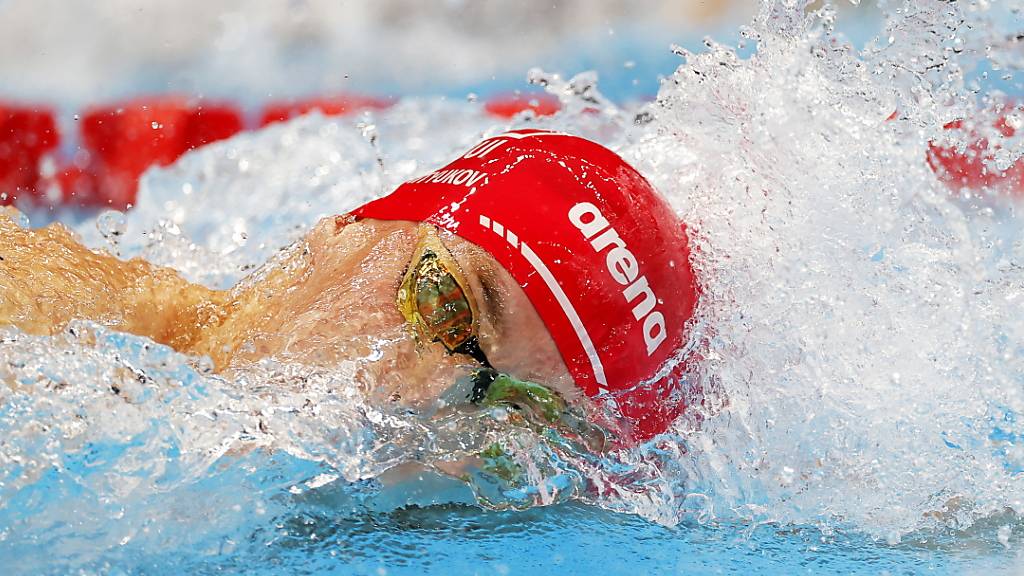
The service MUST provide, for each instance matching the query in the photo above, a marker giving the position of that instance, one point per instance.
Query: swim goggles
(434, 300)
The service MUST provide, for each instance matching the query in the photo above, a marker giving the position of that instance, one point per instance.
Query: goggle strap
(482, 380)
(471, 348)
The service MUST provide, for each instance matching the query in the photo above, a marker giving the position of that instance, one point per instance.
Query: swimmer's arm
(48, 279)
(253, 308)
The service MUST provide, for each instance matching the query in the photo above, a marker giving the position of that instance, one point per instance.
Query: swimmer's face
(337, 302)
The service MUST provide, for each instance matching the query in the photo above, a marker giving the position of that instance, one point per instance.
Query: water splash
(860, 343)
(860, 323)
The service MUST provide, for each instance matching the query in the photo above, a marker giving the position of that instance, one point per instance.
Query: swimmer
(538, 266)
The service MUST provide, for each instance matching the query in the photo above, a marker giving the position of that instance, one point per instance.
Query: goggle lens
(433, 300)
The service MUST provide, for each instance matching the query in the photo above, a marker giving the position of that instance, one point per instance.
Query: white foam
(859, 332)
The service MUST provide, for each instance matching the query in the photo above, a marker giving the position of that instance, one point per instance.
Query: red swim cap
(601, 256)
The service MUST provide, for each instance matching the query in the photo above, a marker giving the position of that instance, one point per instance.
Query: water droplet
(111, 224)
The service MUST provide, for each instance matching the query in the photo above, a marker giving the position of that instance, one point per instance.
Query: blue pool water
(579, 540)
(570, 538)
(860, 336)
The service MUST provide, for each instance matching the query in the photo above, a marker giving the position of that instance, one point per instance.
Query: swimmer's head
(601, 257)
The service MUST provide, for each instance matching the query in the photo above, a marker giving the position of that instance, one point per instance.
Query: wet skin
(327, 300)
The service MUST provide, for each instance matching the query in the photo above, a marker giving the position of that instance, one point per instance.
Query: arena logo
(624, 269)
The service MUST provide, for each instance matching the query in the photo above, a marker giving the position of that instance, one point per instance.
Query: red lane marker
(72, 185)
(27, 135)
(329, 105)
(212, 122)
(123, 140)
(508, 105)
(969, 169)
